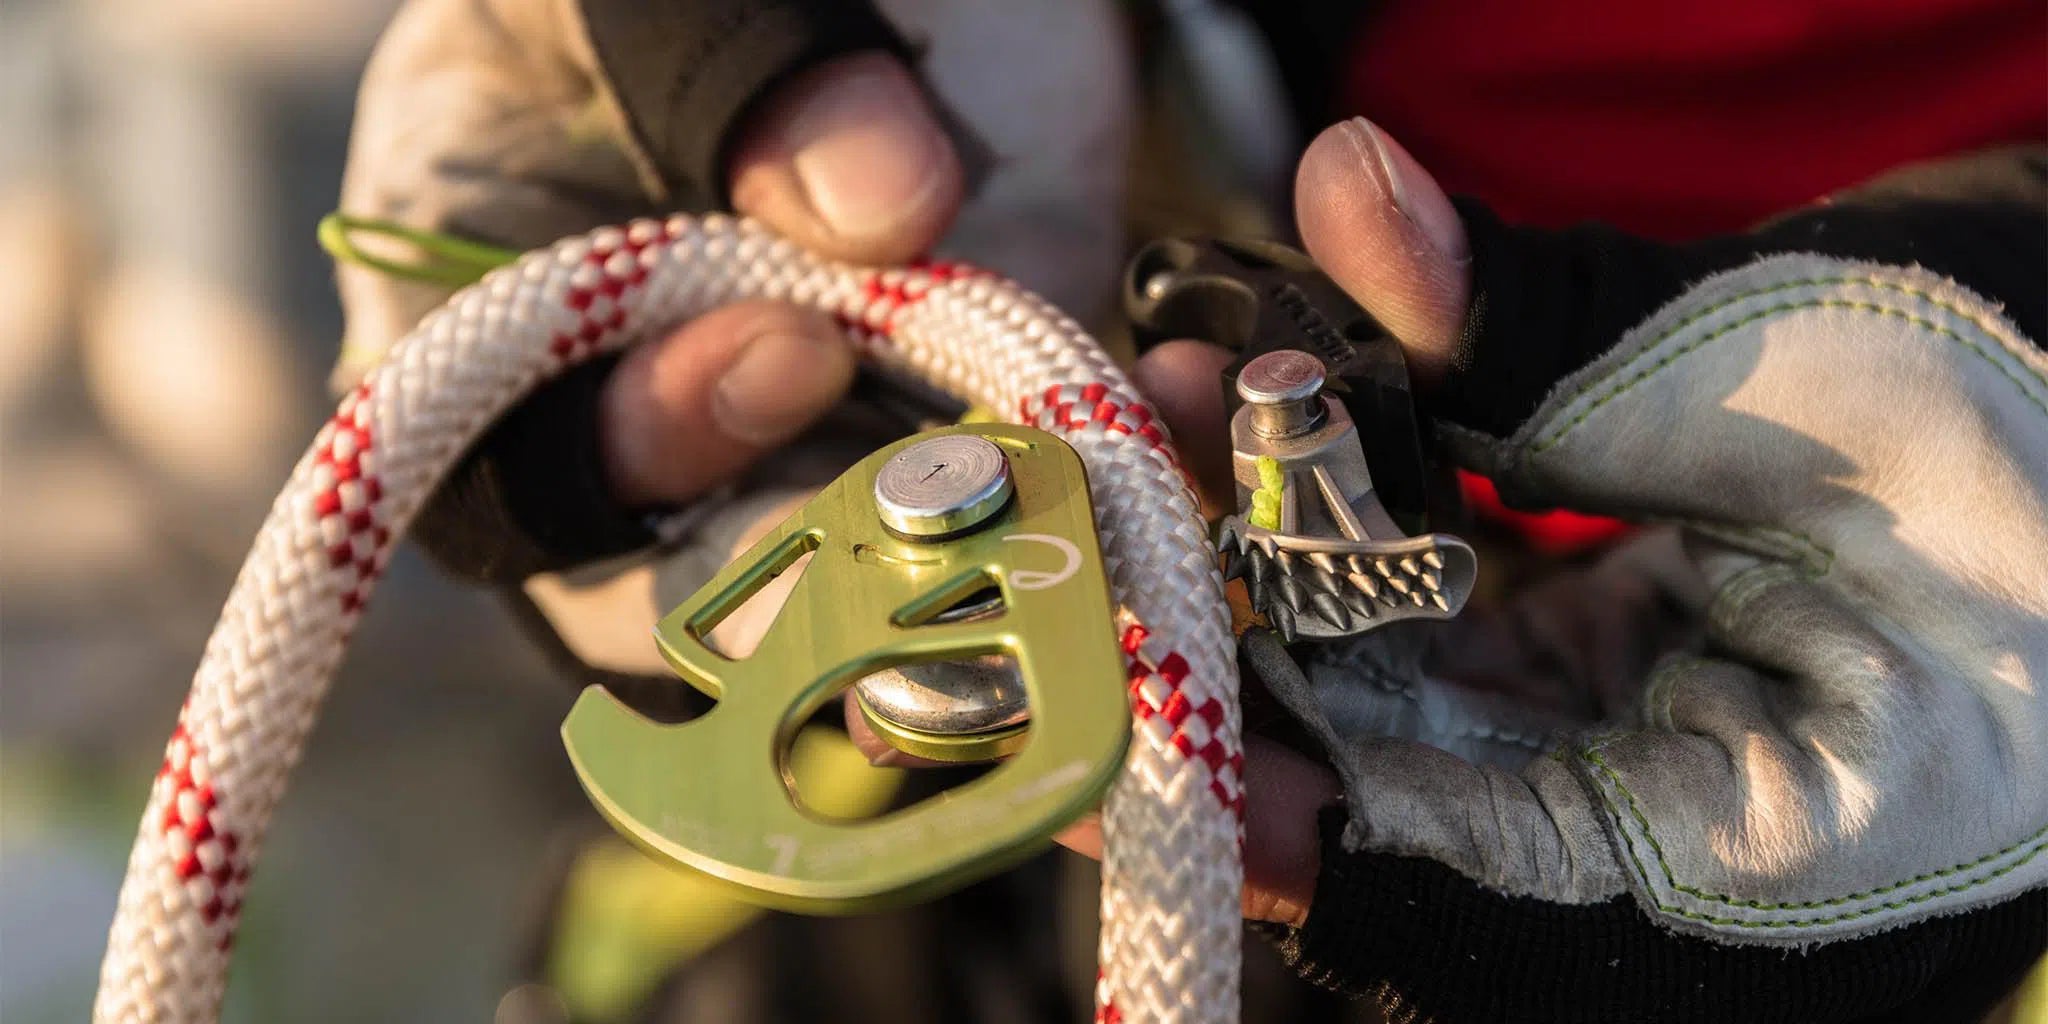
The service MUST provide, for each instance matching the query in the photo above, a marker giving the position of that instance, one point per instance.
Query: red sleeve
(1688, 117)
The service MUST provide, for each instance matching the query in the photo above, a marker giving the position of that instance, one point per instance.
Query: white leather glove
(1818, 787)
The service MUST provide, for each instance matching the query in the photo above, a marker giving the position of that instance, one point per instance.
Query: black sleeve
(1545, 303)
(1507, 958)
(531, 495)
(686, 71)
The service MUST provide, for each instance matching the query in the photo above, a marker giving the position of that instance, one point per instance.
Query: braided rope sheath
(1172, 824)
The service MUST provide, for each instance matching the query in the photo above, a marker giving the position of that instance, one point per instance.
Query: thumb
(1383, 229)
(683, 415)
(849, 159)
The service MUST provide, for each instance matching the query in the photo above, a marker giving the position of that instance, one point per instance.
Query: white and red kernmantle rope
(1172, 824)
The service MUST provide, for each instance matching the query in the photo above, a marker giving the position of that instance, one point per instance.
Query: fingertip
(792, 368)
(1383, 229)
(682, 414)
(849, 159)
(1285, 794)
(1359, 154)
(1171, 366)
(1084, 836)
(1184, 382)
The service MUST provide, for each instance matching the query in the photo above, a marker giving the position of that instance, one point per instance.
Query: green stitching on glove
(1783, 543)
(1726, 329)
(1591, 755)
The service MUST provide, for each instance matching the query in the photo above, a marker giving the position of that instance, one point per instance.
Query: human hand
(847, 159)
(1806, 717)
(517, 123)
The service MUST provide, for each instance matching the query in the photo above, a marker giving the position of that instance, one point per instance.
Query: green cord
(444, 259)
(1265, 511)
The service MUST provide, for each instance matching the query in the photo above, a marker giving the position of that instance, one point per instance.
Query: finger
(1383, 229)
(1493, 315)
(1084, 836)
(848, 159)
(683, 415)
(1184, 382)
(1284, 794)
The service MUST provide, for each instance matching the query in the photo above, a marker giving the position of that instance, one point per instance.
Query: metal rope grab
(1172, 824)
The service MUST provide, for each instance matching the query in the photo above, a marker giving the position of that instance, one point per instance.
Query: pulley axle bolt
(942, 487)
(1283, 391)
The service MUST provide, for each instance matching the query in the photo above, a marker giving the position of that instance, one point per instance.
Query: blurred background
(166, 327)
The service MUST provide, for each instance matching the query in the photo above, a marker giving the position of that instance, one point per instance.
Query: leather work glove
(1783, 757)
(517, 123)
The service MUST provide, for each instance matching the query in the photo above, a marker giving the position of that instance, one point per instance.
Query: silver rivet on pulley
(942, 487)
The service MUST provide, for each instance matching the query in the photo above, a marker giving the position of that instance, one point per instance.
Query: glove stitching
(1725, 329)
(1816, 560)
(1734, 594)
(1781, 542)
(1663, 688)
(1591, 755)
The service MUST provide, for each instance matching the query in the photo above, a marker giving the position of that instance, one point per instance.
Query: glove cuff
(1508, 957)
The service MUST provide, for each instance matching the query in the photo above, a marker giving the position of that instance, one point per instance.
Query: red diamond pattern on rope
(345, 504)
(1106, 1011)
(205, 854)
(1156, 674)
(886, 293)
(1076, 407)
(363, 471)
(612, 268)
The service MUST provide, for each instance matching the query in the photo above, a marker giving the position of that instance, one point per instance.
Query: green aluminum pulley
(989, 519)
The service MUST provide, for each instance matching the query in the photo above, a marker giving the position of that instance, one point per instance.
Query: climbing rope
(1172, 824)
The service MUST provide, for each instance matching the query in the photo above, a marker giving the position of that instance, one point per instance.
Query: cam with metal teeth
(1333, 564)
(1320, 588)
